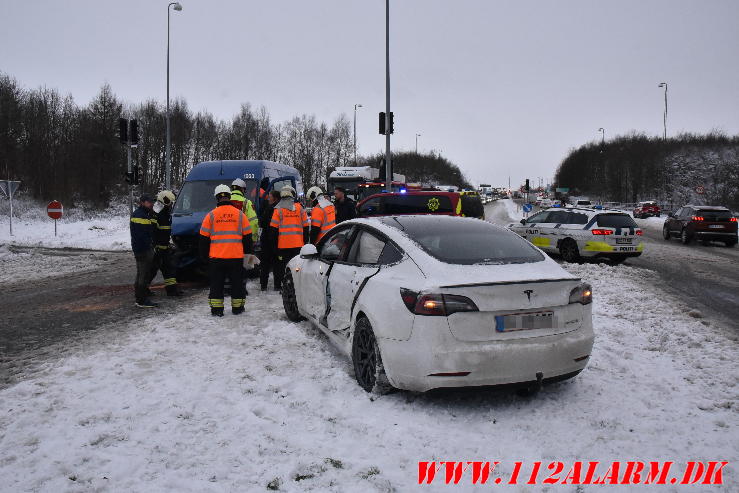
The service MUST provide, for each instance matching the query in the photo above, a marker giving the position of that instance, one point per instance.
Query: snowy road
(175, 400)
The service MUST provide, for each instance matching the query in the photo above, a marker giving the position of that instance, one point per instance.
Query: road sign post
(55, 210)
(8, 187)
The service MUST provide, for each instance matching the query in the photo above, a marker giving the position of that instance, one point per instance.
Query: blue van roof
(231, 169)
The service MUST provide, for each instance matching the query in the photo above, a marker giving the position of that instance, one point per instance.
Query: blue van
(195, 198)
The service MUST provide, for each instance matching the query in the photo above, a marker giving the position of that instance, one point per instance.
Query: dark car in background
(701, 222)
(647, 209)
(421, 202)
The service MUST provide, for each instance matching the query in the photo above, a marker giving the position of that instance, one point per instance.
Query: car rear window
(416, 204)
(711, 215)
(615, 221)
(466, 241)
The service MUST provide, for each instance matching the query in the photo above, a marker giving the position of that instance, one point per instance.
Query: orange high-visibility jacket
(290, 226)
(226, 227)
(323, 219)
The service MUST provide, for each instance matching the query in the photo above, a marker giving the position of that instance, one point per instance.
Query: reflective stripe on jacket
(323, 218)
(289, 226)
(163, 228)
(226, 227)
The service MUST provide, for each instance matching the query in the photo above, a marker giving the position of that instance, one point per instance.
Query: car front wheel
(289, 301)
(569, 251)
(368, 368)
(665, 232)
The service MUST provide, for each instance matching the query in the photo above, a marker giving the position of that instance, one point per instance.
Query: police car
(583, 232)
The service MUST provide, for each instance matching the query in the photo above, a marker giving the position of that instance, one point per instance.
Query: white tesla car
(421, 302)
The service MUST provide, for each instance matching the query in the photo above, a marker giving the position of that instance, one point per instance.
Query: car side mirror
(671, 214)
(523, 221)
(308, 251)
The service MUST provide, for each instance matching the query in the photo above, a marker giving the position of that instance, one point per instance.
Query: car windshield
(465, 241)
(197, 196)
(714, 215)
(616, 221)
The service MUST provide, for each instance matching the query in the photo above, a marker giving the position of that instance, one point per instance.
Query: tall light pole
(664, 116)
(602, 136)
(388, 162)
(355, 132)
(417, 136)
(168, 166)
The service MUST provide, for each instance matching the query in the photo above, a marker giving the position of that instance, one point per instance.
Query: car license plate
(716, 226)
(524, 321)
(621, 241)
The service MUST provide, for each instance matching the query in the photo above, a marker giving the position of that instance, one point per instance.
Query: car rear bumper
(715, 235)
(419, 364)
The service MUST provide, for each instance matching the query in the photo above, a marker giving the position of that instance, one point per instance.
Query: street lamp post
(388, 162)
(355, 131)
(417, 136)
(664, 116)
(168, 164)
(602, 136)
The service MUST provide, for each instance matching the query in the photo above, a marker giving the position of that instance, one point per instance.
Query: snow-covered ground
(82, 227)
(185, 402)
(29, 264)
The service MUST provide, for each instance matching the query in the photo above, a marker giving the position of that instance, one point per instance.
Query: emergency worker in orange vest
(289, 228)
(225, 237)
(322, 216)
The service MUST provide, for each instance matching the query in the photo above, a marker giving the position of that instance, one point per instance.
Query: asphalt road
(704, 277)
(43, 316)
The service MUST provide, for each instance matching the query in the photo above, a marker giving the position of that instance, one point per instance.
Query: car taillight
(697, 218)
(582, 294)
(602, 232)
(732, 220)
(639, 232)
(436, 304)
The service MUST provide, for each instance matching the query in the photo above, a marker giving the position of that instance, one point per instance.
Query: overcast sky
(500, 87)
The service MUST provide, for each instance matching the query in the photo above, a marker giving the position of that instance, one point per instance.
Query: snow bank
(514, 210)
(81, 227)
(184, 402)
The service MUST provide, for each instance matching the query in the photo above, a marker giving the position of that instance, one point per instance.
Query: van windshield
(197, 196)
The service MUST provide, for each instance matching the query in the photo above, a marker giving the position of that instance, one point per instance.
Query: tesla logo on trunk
(528, 293)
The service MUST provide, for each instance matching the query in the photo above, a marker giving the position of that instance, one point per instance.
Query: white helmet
(166, 197)
(314, 193)
(288, 191)
(238, 182)
(220, 189)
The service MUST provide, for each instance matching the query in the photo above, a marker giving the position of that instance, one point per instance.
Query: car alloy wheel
(289, 301)
(568, 250)
(366, 359)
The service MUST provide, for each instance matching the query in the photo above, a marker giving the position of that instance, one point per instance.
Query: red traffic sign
(699, 189)
(55, 210)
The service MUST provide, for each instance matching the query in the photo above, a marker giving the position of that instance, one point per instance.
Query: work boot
(216, 312)
(237, 310)
(173, 291)
(147, 303)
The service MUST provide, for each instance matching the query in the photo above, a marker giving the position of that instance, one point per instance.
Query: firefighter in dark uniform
(225, 237)
(164, 260)
(142, 244)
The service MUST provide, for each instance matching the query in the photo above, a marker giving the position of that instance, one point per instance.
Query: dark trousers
(284, 255)
(267, 265)
(144, 262)
(219, 270)
(164, 262)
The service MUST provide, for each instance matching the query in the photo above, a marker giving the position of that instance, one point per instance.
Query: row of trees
(635, 167)
(422, 168)
(70, 152)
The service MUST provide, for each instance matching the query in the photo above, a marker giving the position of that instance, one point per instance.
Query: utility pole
(168, 162)
(355, 132)
(388, 160)
(417, 136)
(602, 136)
(664, 115)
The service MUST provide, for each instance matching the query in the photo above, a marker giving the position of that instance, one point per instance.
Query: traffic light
(123, 130)
(134, 132)
(382, 124)
(136, 175)
(129, 177)
(527, 185)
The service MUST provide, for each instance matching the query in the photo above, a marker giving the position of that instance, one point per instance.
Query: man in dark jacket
(142, 244)
(345, 207)
(267, 241)
(163, 255)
